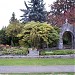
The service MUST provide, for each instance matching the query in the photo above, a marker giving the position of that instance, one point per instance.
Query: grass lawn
(41, 74)
(35, 61)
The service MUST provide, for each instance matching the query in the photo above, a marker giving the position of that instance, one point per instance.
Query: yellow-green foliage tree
(35, 33)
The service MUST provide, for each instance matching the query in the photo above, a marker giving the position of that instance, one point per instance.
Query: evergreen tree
(13, 29)
(13, 19)
(35, 11)
(3, 37)
(62, 10)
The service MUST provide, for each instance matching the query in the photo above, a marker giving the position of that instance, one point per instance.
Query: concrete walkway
(37, 69)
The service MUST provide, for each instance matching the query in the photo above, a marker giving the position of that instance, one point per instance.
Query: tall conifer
(34, 11)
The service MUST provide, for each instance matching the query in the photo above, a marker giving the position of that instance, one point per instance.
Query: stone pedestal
(60, 45)
(33, 52)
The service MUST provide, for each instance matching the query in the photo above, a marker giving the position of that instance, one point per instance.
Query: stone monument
(33, 52)
(66, 28)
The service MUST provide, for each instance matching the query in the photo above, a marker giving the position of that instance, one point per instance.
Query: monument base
(33, 52)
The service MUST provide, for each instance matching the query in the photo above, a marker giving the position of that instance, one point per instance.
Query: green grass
(35, 61)
(41, 74)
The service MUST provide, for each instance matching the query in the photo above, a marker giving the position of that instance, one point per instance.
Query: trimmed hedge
(24, 51)
(15, 51)
(57, 52)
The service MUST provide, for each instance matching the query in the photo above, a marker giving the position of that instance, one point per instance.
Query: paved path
(38, 69)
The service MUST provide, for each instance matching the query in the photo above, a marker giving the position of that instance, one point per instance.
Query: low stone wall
(49, 56)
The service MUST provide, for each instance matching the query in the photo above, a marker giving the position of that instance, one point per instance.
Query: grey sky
(9, 6)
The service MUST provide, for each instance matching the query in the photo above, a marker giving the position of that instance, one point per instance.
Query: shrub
(15, 51)
(57, 52)
(1, 47)
(42, 52)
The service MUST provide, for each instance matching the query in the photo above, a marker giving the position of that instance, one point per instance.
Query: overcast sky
(9, 6)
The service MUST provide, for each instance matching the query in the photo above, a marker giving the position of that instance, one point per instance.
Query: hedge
(57, 52)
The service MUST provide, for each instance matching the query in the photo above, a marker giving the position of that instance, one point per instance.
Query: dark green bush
(63, 52)
(57, 52)
(42, 52)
